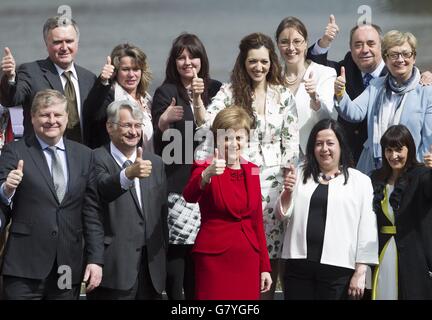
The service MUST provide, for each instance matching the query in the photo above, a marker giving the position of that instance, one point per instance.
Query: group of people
(266, 188)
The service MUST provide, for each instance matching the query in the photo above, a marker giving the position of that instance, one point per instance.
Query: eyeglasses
(296, 42)
(404, 55)
(128, 126)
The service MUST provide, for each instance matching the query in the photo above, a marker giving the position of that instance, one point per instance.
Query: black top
(178, 147)
(316, 223)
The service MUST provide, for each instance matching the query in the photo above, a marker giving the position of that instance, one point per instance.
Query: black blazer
(177, 173)
(94, 115)
(43, 230)
(36, 76)
(356, 132)
(128, 226)
(412, 205)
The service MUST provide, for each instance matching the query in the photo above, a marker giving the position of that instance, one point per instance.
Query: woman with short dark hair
(403, 206)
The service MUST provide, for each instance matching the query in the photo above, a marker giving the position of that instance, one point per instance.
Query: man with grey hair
(58, 71)
(133, 194)
(48, 186)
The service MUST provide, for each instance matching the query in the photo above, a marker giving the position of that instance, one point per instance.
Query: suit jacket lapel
(50, 73)
(36, 153)
(227, 197)
(72, 161)
(115, 170)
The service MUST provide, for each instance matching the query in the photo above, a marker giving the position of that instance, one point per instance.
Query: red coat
(224, 231)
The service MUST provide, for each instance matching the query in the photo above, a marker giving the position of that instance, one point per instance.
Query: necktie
(126, 164)
(73, 131)
(57, 173)
(366, 79)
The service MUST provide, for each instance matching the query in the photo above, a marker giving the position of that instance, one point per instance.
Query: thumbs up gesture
(107, 70)
(13, 179)
(216, 168)
(339, 85)
(197, 89)
(310, 86)
(173, 113)
(8, 64)
(140, 168)
(289, 178)
(428, 158)
(330, 33)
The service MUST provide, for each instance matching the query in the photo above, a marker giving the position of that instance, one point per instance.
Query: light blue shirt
(61, 151)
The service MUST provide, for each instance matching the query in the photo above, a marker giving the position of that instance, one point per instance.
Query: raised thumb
(139, 153)
(7, 51)
(342, 74)
(20, 165)
(216, 153)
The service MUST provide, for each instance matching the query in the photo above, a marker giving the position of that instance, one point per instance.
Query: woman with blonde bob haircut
(257, 86)
(230, 252)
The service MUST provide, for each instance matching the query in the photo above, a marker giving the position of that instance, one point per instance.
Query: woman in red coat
(230, 253)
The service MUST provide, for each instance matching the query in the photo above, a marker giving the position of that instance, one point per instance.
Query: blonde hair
(139, 58)
(395, 38)
(233, 117)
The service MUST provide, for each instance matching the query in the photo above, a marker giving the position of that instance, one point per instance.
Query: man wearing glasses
(132, 189)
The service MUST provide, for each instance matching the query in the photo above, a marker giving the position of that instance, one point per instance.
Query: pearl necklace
(322, 177)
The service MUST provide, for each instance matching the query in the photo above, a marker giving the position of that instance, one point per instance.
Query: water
(153, 24)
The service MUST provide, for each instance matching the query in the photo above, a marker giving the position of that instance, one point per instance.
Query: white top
(307, 117)
(351, 234)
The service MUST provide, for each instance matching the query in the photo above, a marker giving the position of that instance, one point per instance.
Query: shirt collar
(60, 145)
(377, 72)
(119, 157)
(72, 68)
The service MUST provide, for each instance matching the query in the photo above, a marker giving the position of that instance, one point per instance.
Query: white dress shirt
(126, 183)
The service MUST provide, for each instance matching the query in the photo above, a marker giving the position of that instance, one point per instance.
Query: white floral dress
(273, 145)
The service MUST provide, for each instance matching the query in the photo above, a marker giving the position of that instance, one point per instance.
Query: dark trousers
(180, 272)
(17, 288)
(308, 280)
(141, 290)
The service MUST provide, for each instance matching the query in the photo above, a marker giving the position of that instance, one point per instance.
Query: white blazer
(351, 234)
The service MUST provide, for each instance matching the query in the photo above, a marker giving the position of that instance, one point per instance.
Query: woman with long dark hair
(186, 90)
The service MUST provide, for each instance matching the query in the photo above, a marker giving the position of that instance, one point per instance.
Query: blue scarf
(384, 96)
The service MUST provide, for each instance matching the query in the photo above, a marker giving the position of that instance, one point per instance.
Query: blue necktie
(366, 79)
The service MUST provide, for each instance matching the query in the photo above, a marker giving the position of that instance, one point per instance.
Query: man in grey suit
(58, 71)
(133, 192)
(48, 184)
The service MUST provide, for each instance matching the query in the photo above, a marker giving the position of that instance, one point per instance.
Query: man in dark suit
(133, 191)
(57, 72)
(49, 186)
(362, 63)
